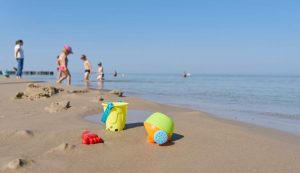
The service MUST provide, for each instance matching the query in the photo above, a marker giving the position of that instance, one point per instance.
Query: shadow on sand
(176, 137)
(133, 125)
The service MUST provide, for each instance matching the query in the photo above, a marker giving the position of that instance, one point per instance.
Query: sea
(271, 101)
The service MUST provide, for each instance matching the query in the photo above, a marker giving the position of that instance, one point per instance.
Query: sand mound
(24, 133)
(18, 163)
(34, 92)
(58, 106)
(6, 134)
(62, 148)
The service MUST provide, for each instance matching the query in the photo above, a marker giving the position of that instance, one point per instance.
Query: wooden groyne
(11, 72)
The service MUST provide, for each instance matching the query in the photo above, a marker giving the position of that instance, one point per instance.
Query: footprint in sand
(62, 148)
(19, 163)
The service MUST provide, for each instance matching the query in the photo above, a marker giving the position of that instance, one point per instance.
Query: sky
(155, 36)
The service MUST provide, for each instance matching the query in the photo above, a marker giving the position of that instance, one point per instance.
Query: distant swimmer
(185, 74)
(115, 73)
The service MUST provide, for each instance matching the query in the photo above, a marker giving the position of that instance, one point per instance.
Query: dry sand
(35, 139)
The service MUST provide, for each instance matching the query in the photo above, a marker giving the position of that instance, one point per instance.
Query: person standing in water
(87, 67)
(184, 74)
(115, 73)
(63, 64)
(100, 72)
(19, 55)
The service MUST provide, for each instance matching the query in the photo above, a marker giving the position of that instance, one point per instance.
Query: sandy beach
(35, 138)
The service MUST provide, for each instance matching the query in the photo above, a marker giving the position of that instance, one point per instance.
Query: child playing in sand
(87, 67)
(63, 64)
(100, 72)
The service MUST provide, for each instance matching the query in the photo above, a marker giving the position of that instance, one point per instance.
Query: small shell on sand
(101, 99)
(19, 95)
(18, 163)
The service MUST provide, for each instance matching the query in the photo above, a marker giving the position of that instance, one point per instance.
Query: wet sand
(36, 137)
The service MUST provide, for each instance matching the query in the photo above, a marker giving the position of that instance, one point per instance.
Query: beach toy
(90, 138)
(160, 137)
(107, 112)
(159, 128)
(114, 115)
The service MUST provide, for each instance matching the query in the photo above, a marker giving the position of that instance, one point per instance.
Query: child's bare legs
(69, 79)
(86, 76)
(65, 76)
(87, 84)
(59, 74)
(68, 75)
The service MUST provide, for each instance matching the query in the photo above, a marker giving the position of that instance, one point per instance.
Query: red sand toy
(90, 138)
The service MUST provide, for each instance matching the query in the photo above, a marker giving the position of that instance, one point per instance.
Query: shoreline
(204, 143)
(245, 120)
(272, 116)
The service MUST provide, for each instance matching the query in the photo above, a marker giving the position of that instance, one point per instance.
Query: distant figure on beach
(19, 55)
(100, 72)
(115, 73)
(87, 67)
(63, 64)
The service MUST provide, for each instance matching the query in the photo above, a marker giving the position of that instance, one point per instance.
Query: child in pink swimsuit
(63, 65)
